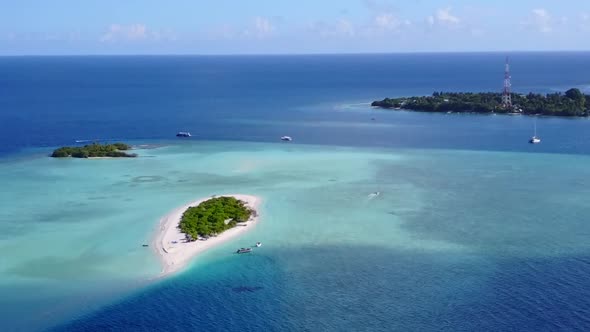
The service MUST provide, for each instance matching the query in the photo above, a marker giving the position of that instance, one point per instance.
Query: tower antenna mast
(506, 94)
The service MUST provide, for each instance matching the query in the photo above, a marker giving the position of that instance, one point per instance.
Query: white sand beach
(170, 245)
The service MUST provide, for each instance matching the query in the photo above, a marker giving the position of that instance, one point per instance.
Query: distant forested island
(115, 150)
(213, 216)
(570, 103)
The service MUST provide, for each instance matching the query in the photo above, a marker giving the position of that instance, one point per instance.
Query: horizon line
(286, 54)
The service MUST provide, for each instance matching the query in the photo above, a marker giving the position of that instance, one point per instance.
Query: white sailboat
(535, 139)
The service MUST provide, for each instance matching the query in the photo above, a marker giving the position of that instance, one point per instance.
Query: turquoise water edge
(76, 226)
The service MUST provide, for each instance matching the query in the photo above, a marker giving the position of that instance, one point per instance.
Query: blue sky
(281, 26)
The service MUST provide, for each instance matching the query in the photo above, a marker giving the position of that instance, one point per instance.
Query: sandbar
(170, 245)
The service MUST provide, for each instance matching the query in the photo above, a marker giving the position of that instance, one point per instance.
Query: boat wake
(373, 195)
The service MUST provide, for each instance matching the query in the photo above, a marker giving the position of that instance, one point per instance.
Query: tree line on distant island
(115, 150)
(570, 103)
(213, 216)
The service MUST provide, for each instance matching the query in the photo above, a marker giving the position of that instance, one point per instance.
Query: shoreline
(410, 110)
(560, 116)
(175, 256)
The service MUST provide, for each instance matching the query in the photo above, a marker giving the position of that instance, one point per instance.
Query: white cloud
(430, 20)
(124, 32)
(345, 28)
(443, 17)
(261, 28)
(540, 20)
(540, 12)
(164, 34)
(384, 19)
(135, 32)
(378, 25)
(387, 21)
(257, 28)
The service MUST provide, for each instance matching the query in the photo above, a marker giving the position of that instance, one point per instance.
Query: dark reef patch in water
(97, 198)
(147, 179)
(244, 289)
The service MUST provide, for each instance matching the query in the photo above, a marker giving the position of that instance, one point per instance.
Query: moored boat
(244, 250)
(535, 139)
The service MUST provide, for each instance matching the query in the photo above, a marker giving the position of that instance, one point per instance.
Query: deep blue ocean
(49, 101)
(507, 280)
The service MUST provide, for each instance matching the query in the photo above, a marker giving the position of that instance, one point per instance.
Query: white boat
(535, 139)
(373, 195)
(286, 138)
(258, 244)
(183, 134)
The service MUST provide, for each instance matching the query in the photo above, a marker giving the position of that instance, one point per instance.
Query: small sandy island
(175, 252)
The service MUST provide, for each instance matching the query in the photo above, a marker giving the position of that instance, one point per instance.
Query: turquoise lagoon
(440, 234)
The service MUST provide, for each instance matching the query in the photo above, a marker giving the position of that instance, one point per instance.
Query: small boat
(258, 244)
(183, 134)
(244, 250)
(145, 245)
(286, 138)
(535, 139)
(375, 194)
